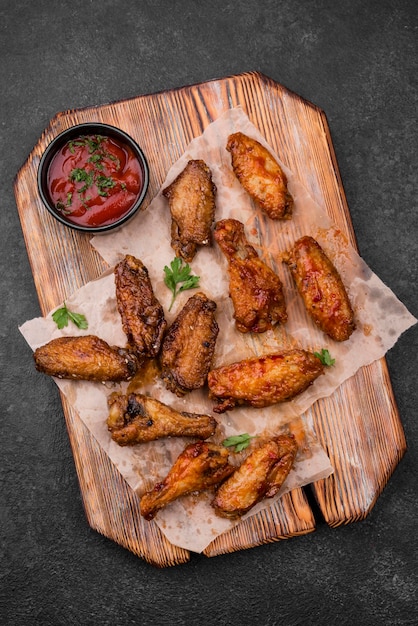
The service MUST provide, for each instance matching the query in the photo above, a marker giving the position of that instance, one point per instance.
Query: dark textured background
(357, 60)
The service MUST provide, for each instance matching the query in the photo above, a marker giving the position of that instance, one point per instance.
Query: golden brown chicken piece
(85, 358)
(135, 418)
(200, 466)
(142, 315)
(321, 288)
(188, 347)
(260, 175)
(260, 476)
(191, 198)
(263, 381)
(256, 291)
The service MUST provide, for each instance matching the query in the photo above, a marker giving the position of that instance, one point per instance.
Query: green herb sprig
(239, 442)
(325, 357)
(63, 315)
(179, 274)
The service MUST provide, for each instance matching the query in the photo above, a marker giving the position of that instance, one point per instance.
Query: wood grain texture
(358, 425)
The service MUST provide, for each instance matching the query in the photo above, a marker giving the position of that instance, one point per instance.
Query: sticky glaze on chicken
(136, 418)
(191, 198)
(321, 288)
(141, 313)
(255, 290)
(199, 467)
(85, 358)
(260, 175)
(260, 476)
(263, 381)
(188, 347)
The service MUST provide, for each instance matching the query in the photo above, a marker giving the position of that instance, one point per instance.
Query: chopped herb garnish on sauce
(92, 174)
(94, 179)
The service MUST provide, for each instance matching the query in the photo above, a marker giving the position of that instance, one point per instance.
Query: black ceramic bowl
(60, 211)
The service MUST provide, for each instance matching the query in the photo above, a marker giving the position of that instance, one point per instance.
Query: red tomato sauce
(94, 180)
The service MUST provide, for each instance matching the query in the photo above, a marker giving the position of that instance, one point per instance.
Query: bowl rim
(91, 128)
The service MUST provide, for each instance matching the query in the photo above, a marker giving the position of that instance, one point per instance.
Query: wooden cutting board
(358, 426)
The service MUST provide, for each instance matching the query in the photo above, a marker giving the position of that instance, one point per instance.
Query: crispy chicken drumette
(136, 418)
(191, 198)
(200, 466)
(85, 358)
(260, 476)
(321, 288)
(141, 313)
(263, 381)
(256, 291)
(260, 175)
(188, 347)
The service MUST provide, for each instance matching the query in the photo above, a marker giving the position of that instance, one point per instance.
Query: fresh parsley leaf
(240, 442)
(63, 315)
(325, 357)
(179, 274)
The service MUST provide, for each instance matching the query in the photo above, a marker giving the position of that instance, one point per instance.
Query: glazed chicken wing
(188, 347)
(85, 358)
(141, 313)
(321, 288)
(191, 198)
(263, 381)
(200, 466)
(135, 418)
(260, 476)
(256, 291)
(260, 175)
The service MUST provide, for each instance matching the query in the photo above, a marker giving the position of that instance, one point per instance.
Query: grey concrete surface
(357, 60)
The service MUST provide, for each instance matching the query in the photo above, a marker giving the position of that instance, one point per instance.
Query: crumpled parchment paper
(380, 317)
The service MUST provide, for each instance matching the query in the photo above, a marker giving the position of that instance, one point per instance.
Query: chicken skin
(188, 347)
(260, 476)
(200, 466)
(191, 198)
(321, 288)
(260, 175)
(263, 381)
(255, 290)
(85, 358)
(141, 313)
(135, 418)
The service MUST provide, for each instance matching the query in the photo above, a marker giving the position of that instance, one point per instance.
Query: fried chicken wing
(260, 175)
(260, 476)
(141, 313)
(136, 418)
(255, 290)
(321, 288)
(85, 358)
(200, 466)
(188, 347)
(191, 198)
(263, 381)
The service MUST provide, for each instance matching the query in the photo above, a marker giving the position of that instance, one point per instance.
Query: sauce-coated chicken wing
(141, 313)
(191, 198)
(135, 418)
(255, 290)
(200, 466)
(85, 358)
(263, 381)
(260, 175)
(321, 288)
(188, 347)
(260, 476)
